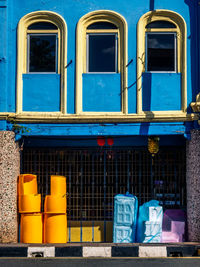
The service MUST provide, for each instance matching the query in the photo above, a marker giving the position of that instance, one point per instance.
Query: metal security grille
(96, 175)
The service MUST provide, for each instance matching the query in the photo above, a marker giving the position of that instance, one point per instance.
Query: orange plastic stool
(55, 228)
(58, 185)
(29, 203)
(31, 228)
(55, 204)
(27, 184)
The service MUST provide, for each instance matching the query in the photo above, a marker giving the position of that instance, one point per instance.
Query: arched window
(42, 52)
(161, 48)
(42, 49)
(101, 48)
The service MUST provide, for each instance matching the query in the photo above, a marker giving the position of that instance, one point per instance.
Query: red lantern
(101, 141)
(110, 141)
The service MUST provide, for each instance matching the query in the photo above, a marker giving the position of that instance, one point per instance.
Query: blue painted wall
(161, 91)
(124, 134)
(41, 92)
(131, 10)
(95, 129)
(46, 97)
(101, 92)
(193, 49)
(3, 56)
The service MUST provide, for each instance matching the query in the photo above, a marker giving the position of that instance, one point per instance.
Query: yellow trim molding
(180, 30)
(84, 22)
(196, 105)
(24, 23)
(58, 117)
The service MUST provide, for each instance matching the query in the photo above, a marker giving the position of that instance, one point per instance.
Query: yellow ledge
(58, 117)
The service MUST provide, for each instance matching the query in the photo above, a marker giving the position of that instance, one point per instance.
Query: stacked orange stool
(29, 203)
(55, 218)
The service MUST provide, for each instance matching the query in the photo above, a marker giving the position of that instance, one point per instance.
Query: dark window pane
(160, 52)
(42, 26)
(102, 25)
(102, 53)
(42, 53)
(160, 24)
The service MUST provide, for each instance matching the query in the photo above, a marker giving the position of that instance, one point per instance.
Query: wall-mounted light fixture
(153, 145)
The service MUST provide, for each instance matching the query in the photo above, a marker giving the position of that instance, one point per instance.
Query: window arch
(161, 26)
(91, 28)
(49, 27)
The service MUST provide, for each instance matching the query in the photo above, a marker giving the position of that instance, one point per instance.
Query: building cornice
(58, 117)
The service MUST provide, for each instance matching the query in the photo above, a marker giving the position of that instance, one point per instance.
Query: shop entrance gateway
(96, 175)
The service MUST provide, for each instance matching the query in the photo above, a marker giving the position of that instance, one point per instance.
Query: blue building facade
(86, 86)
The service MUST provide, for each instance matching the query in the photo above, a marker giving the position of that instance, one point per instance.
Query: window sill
(58, 117)
(41, 73)
(162, 72)
(101, 73)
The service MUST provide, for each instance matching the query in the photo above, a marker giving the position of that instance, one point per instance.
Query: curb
(104, 251)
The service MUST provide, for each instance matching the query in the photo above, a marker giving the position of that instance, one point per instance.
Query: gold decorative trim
(28, 19)
(120, 22)
(176, 19)
(196, 105)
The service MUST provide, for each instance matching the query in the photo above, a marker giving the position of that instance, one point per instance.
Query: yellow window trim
(84, 22)
(42, 31)
(24, 23)
(180, 29)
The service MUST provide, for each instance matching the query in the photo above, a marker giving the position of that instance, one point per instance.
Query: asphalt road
(132, 262)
